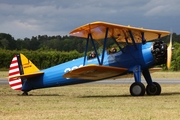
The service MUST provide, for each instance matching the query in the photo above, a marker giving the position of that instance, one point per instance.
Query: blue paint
(130, 58)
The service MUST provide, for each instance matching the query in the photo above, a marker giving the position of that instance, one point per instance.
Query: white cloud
(56, 17)
(162, 8)
(29, 24)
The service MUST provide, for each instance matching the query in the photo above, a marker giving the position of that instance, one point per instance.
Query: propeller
(169, 52)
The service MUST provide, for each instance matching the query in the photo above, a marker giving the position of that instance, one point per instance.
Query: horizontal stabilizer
(28, 75)
(95, 72)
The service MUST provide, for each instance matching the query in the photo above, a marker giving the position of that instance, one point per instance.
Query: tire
(154, 89)
(137, 89)
(25, 93)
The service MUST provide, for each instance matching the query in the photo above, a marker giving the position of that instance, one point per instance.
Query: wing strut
(89, 37)
(85, 54)
(159, 36)
(118, 44)
(104, 46)
(92, 41)
(132, 38)
(143, 40)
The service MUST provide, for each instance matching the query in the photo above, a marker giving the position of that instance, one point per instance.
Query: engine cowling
(159, 51)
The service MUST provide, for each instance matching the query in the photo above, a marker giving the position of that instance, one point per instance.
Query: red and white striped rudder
(15, 83)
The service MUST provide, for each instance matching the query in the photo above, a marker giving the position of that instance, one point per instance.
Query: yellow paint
(27, 65)
(95, 72)
(120, 32)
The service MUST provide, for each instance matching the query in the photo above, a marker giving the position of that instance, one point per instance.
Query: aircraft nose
(159, 51)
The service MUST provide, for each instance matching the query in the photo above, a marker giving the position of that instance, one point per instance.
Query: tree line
(59, 43)
(45, 51)
(42, 59)
(43, 42)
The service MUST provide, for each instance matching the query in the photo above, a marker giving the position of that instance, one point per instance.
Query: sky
(27, 18)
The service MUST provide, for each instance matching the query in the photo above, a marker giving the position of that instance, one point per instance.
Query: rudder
(19, 65)
(15, 83)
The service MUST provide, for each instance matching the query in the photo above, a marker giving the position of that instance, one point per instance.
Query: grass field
(89, 102)
(154, 75)
(3, 74)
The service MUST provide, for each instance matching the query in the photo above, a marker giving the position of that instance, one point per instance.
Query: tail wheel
(25, 93)
(154, 89)
(137, 89)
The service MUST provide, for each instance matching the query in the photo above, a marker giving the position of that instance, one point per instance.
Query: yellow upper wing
(120, 32)
(94, 72)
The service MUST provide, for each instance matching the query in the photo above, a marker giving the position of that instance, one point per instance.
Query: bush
(42, 59)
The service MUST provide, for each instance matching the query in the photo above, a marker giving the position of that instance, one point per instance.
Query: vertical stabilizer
(26, 65)
(20, 65)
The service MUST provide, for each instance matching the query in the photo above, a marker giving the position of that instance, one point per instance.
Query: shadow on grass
(114, 96)
(41, 95)
(170, 93)
(104, 96)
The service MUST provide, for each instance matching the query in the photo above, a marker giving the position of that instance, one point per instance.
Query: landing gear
(25, 93)
(154, 89)
(137, 89)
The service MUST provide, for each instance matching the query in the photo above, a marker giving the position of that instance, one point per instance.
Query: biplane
(138, 50)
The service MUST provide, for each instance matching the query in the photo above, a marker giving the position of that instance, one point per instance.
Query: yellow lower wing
(95, 72)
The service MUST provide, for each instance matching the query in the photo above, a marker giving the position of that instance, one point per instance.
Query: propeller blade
(169, 52)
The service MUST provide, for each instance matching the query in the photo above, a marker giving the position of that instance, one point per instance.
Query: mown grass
(4, 74)
(89, 102)
(165, 74)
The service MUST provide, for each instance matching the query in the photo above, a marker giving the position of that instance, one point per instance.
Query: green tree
(175, 65)
(4, 43)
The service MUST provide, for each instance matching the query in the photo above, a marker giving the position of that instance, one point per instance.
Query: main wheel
(137, 89)
(154, 89)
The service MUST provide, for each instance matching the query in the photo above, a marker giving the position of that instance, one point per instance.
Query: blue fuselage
(129, 57)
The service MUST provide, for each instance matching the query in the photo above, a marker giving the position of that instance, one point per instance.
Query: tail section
(15, 83)
(20, 67)
(26, 65)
